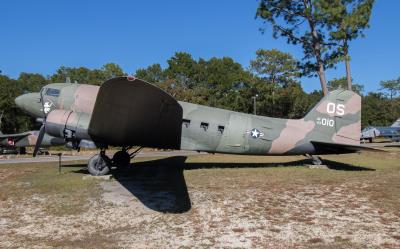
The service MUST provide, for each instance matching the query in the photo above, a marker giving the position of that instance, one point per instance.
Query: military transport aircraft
(127, 112)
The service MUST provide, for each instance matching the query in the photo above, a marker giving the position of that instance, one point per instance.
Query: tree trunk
(322, 79)
(348, 75)
(316, 46)
(347, 62)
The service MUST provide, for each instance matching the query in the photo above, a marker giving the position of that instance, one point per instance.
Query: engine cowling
(70, 125)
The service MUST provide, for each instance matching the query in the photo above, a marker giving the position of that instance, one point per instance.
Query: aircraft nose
(30, 104)
(19, 101)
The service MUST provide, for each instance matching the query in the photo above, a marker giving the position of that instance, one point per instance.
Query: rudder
(337, 117)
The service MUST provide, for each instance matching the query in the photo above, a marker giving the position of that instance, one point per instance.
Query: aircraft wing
(130, 112)
(16, 136)
(335, 148)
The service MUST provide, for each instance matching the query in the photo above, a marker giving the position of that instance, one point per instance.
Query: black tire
(121, 159)
(99, 165)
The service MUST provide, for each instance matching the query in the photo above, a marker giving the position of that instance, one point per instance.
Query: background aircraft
(12, 142)
(28, 139)
(127, 112)
(392, 132)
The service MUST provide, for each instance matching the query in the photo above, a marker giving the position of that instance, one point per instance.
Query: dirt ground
(207, 201)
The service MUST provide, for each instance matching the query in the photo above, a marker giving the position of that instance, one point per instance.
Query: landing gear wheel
(99, 165)
(121, 159)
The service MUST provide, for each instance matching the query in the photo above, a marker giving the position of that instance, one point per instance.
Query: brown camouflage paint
(349, 134)
(353, 106)
(84, 98)
(295, 131)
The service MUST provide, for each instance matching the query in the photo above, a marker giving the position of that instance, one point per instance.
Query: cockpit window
(52, 92)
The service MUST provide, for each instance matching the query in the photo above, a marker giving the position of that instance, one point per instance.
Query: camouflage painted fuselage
(257, 135)
(335, 119)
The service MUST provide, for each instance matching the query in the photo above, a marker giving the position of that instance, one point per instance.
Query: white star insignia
(254, 133)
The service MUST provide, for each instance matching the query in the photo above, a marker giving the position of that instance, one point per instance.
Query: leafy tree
(341, 83)
(111, 70)
(153, 74)
(80, 74)
(276, 66)
(200, 81)
(87, 76)
(182, 68)
(301, 22)
(392, 87)
(223, 73)
(377, 110)
(348, 19)
(222, 77)
(13, 119)
(32, 82)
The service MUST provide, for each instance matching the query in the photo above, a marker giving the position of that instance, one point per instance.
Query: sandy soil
(208, 208)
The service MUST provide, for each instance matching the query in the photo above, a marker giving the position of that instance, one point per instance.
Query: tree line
(272, 78)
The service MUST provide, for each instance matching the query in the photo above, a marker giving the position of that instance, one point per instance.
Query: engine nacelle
(72, 126)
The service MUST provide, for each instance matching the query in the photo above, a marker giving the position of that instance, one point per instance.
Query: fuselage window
(204, 126)
(221, 128)
(52, 92)
(186, 122)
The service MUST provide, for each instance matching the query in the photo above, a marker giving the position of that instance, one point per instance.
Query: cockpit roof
(58, 86)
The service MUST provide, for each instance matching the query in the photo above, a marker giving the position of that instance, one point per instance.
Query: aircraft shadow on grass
(160, 184)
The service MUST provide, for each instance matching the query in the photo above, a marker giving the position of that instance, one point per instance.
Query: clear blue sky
(40, 36)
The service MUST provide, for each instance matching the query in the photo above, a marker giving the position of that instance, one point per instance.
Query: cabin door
(236, 138)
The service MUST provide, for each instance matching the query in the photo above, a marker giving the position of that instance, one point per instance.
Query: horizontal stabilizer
(336, 148)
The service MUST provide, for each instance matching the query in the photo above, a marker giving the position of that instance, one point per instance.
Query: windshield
(52, 92)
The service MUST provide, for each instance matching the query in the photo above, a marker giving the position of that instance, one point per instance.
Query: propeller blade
(39, 140)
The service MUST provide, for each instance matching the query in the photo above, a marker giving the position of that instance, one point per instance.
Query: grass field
(206, 201)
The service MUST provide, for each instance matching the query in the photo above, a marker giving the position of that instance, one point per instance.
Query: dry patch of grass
(206, 201)
(34, 195)
(60, 194)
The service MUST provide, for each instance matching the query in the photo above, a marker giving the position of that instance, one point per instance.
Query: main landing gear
(100, 164)
(316, 162)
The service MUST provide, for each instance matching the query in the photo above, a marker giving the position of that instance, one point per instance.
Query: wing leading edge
(17, 136)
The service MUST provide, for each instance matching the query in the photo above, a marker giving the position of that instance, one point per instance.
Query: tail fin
(337, 118)
(396, 123)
